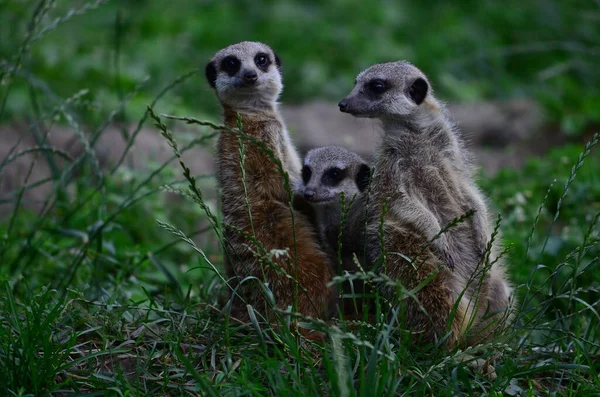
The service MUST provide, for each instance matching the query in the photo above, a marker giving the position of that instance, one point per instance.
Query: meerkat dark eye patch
(306, 174)
(363, 177)
(333, 176)
(262, 61)
(211, 74)
(378, 86)
(231, 65)
(418, 90)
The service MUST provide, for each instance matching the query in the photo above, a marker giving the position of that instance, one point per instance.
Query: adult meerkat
(327, 174)
(424, 177)
(247, 79)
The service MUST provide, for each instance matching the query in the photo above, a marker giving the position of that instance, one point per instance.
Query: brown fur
(270, 219)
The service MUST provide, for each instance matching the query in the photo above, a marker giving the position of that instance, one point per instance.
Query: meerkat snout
(250, 76)
(309, 194)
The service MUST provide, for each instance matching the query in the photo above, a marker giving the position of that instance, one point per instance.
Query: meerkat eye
(378, 86)
(231, 65)
(261, 60)
(306, 174)
(333, 176)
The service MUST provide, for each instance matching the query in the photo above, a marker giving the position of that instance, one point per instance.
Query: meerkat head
(246, 75)
(389, 91)
(330, 171)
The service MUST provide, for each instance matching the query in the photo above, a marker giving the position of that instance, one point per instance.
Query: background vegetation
(471, 49)
(97, 297)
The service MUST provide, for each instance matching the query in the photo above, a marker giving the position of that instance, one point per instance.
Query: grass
(117, 287)
(131, 321)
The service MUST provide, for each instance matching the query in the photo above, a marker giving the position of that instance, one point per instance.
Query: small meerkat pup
(247, 79)
(327, 174)
(424, 177)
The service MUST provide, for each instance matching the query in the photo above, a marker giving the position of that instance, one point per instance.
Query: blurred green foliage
(471, 49)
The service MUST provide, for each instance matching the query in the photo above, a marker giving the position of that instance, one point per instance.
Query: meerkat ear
(211, 74)
(418, 90)
(363, 177)
(277, 60)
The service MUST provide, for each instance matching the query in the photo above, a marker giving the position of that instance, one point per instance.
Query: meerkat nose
(250, 76)
(309, 194)
(343, 104)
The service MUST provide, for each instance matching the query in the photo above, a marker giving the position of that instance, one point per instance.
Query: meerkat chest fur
(268, 126)
(238, 177)
(425, 161)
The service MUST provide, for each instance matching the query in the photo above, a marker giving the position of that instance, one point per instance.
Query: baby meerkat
(424, 178)
(247, 79)
(327, 174)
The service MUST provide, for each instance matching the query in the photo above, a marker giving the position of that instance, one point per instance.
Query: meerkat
(424, 179)
(247, 79)
(327, 174)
